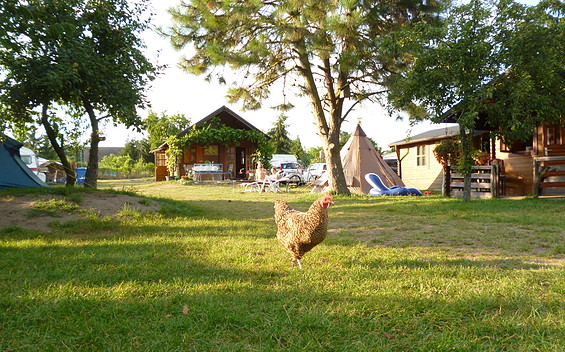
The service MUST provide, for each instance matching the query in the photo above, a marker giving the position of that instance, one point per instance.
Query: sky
(176, 91)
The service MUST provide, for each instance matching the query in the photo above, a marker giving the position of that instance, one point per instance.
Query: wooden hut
(532, 167)
(212, 160)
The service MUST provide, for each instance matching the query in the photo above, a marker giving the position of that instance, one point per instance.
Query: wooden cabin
(417, 165)
(213, 161)
(540, 160)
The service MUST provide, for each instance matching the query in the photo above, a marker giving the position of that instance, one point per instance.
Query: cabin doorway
(240, 160)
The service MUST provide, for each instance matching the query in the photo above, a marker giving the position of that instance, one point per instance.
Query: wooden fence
(486, 182)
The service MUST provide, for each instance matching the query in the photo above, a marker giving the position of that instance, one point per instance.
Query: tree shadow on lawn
(112, 292)
(175, 218)
(109, 264)
(254, 219)
(254, 310)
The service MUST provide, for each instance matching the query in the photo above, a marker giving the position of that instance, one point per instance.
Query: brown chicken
(299, 232)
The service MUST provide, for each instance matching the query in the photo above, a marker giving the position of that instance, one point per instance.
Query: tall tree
(531, 91)
(297, 149)
(80, 53)
(279, 136)
(501, 57)
(162, 126)
(131, 149)
(34, 138)
(145, 151)
(337, 53)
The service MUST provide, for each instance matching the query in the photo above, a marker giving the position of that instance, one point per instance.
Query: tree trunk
(336, 177)
(328, 130)
(91, 177)
(446, 186)
(52, 135)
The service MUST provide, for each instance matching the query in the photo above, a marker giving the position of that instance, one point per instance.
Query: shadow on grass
(111, 263)
(132, 297)
(388, 222)
(122, 284)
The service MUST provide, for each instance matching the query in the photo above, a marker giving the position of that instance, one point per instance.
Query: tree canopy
(162, 126)
(82, 54)
(336, 53)
(502, 59)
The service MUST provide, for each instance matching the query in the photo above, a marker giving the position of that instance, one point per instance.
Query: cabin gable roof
(227, 117)
(428, 136)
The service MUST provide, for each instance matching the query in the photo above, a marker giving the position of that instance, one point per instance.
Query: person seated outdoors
(260, 173)
(276, 173)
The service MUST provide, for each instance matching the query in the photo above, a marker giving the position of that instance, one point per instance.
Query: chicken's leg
(296, 261)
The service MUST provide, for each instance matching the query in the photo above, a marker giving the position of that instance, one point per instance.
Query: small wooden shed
(532, 167)
(223, 161)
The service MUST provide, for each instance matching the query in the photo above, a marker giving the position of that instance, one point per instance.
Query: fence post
(537, 178)
(495, 180)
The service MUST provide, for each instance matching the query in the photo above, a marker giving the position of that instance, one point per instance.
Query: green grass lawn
(205, 273)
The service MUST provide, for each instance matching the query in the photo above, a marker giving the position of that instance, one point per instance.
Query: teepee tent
(13, 171)
(359, 158)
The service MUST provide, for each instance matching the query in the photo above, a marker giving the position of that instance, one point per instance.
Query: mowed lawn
(205, 273)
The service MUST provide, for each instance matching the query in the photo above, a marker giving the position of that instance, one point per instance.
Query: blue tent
(13, 171)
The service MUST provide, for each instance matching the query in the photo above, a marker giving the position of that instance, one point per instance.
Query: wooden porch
(230, 162)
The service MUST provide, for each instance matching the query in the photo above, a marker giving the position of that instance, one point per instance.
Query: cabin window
(160, 159)
(421, 154)
(212, 150)
(211, 153)
(230, 156)
(192, 154)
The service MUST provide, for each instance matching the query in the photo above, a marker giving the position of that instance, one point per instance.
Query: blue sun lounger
(379, 189)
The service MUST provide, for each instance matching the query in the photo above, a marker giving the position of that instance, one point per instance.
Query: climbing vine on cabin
(213, 133)
(448, 152)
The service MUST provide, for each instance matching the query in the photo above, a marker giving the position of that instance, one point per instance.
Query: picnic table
(268, 184)
(214, 170)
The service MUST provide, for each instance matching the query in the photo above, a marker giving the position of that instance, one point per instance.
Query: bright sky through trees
(178, 92)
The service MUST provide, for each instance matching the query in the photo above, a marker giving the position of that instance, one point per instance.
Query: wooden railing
(486, 182)
(546, 167)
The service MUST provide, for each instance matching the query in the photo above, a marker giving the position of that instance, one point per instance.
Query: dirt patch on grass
(38, 211)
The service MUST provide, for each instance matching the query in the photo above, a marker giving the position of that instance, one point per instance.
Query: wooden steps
(551, 184)
(554, 173)
(543, 166)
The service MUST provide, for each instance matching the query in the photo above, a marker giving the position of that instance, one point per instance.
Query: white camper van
(30, 159)
(278, 159)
